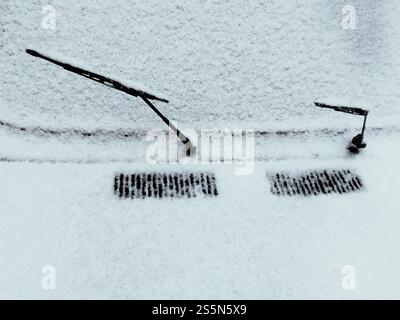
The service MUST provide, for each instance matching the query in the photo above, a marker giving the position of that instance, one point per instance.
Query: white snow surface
(220, 63)
(246, 243)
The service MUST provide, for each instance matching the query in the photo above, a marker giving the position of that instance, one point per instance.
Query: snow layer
(244, 244)
(221, 63)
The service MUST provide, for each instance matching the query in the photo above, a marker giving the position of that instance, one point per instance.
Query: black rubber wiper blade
(98, 77)
(351, 110)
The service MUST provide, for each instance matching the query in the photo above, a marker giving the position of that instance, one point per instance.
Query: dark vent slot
(315, 183)
(165, 185)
